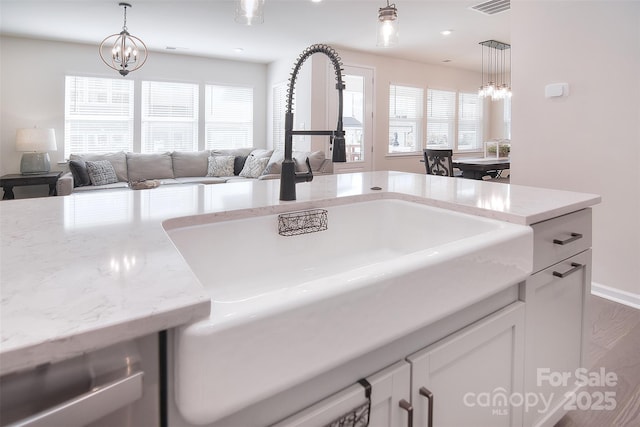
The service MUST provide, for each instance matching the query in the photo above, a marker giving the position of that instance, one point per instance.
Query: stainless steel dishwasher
(114, 386)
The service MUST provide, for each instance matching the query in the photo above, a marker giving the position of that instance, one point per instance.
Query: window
(405, 119)
(228, 117)
(279, 110)
(169, 117)
(353, 117)
(457, 128)
(469, 121)
(98, 115)
(441, 115)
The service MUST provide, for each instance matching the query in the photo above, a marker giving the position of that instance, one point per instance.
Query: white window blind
(98, 115)
(169, 117)
(469, 121)
(441, 115)
(405, 118)
(279, 110)
(228, 117)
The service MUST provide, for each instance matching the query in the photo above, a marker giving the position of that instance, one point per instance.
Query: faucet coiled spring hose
(337, 66)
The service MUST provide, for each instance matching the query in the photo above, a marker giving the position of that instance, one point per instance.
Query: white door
(357, 117)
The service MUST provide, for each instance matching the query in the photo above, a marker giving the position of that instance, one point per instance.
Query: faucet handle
(305, 176)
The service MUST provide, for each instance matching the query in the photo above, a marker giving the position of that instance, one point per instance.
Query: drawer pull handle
(407, 407)
(426, 393)
(575, 267)
(573, 238)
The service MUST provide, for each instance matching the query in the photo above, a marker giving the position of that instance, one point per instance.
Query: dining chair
(438, 162)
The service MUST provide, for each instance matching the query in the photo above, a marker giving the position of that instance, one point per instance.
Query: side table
(7, 182)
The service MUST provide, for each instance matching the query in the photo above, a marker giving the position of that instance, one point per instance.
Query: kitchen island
(81, 272)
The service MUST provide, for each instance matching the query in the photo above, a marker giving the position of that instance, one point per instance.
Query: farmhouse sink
(288, 308)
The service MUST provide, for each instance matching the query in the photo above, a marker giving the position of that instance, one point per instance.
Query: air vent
(492, 7)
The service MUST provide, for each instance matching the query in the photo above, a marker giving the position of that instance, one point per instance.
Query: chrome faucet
(288, 175)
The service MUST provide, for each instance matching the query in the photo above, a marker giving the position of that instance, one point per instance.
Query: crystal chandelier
(387, 26)
(496, 80)
(122, 51)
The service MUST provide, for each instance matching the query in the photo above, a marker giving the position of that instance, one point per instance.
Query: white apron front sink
(285, 309)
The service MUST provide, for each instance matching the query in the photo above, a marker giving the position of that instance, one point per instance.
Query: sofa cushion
(240, 155)
(101, 172)
(89, 188)
(316, 159)
(220, 166)
(254, 166)
(143, 166)
(118, 161)
(78, 169)
(201, 180)
(190, 163)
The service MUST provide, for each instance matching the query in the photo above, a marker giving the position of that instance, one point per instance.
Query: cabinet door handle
(573, 238)
(426, 393)
(575, 267)
(407, 407)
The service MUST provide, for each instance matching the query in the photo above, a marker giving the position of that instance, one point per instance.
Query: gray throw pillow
(101, 172)
(79, 172)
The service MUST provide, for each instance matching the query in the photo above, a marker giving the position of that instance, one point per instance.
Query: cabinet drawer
(560, 238)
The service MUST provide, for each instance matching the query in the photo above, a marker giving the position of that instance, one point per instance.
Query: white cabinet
(556, 298)
(449, 381)
(388, 389)
(472, 374)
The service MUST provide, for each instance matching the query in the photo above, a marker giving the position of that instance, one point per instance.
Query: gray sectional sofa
(182, 167)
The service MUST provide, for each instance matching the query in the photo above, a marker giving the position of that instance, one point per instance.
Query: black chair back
(438, 162)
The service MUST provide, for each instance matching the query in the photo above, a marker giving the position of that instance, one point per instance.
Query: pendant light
(496, 81)
(122, 51)
(387, 26)
(250, 12)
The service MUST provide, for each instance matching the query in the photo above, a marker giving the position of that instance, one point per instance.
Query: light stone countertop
(81, 272)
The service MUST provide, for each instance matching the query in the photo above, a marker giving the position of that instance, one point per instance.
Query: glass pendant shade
(250, 12)
(122, 51)
(496, 78)
(387, 26)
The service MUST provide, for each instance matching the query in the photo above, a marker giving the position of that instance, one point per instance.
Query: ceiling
(207, 27)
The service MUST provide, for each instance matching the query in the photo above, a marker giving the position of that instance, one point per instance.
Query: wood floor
(614, 346)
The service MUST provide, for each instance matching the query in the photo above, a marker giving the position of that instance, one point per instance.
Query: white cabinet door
(388, 388)
(473, 374)
(556, 335)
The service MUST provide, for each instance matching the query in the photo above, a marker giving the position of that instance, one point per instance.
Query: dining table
(477, 168)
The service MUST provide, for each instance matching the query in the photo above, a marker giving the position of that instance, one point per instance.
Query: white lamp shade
(36, 140)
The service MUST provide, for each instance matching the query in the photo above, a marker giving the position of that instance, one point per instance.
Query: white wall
(32, 80)
(590, 140)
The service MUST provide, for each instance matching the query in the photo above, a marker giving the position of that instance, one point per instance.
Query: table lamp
(35, 143)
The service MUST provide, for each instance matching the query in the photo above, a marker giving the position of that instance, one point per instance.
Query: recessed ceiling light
(238, 50)
(446, 60)
(316, 1)
(446, 32)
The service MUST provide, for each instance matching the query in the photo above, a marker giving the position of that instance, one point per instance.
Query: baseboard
(617, 295)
